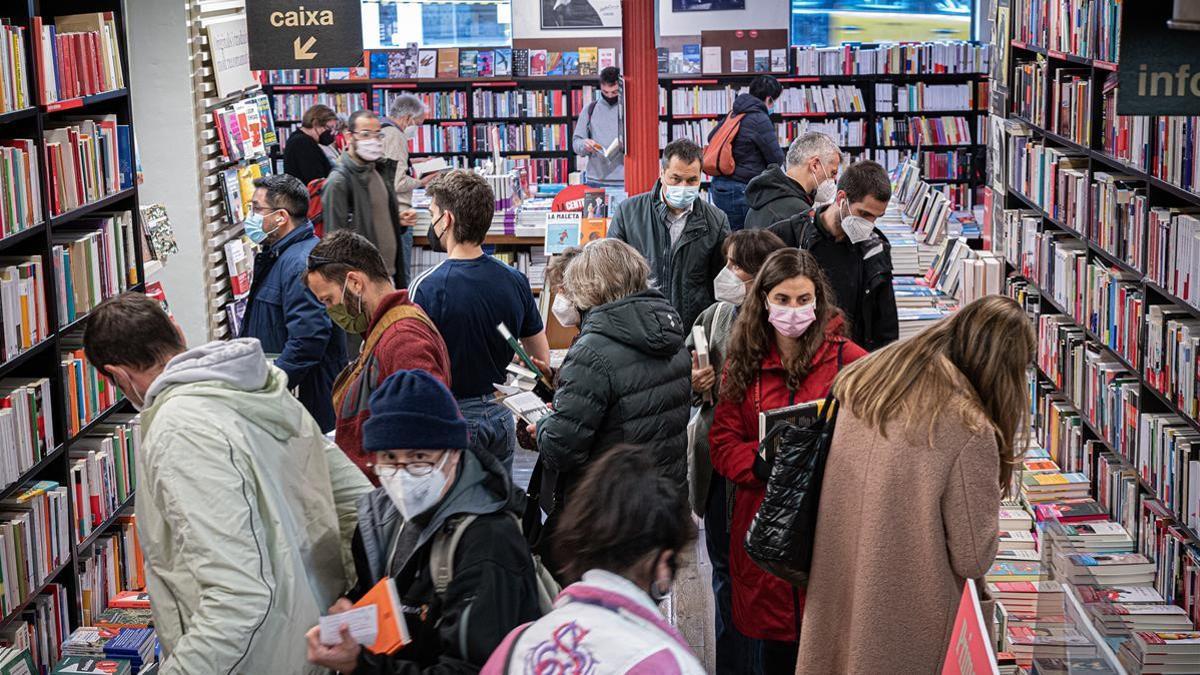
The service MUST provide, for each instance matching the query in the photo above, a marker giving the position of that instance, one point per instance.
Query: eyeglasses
(367, 135)
(316, 262)
(262, 209)
(416, 469)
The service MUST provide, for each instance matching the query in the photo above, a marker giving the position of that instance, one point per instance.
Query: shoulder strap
(841, 348)
(590, 111)
(441, 554)
(390, 318)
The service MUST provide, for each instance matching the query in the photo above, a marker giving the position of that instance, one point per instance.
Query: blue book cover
(502, 62)
(69, 284)
(691, 58)
(125, 155)
(379, 65)
(570, 63)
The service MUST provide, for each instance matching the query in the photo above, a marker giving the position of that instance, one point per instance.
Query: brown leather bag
(718, 155)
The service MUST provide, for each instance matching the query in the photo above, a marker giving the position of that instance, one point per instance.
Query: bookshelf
(46, 379)
(1093, 233)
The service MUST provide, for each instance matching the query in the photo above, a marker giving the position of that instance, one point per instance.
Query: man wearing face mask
(228, 465)
(303, 156)
(358, 198)
(347, 275)
(600, 123)
(281, 312)
(405, 117)
(808, 177)
(435, 489)
(855, 255)
(679, 235)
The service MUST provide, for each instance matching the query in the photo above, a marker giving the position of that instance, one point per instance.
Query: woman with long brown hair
(788, 344)
(928, 434)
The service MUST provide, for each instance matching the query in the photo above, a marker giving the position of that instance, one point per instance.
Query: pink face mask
(792, 321)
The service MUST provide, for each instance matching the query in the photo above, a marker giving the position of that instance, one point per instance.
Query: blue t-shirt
(467, 299)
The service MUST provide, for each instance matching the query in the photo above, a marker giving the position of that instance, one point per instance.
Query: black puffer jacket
(773, 196)
(756, 145)
(627, 379)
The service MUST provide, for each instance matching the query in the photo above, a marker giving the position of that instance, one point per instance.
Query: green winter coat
(245, 514)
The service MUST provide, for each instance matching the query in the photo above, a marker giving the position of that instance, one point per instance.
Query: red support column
(638, 43)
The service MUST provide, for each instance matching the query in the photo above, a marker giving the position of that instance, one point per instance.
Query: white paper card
(362, 621)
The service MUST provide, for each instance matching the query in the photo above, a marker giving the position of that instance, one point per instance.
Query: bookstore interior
(1044, 151)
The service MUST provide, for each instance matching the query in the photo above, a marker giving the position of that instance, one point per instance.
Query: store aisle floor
(690, 606)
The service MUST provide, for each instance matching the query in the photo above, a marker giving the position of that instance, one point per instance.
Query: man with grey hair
(405, 115)
(808, 177)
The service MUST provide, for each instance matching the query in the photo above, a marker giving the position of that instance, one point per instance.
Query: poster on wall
(229, 44)
(706, 5)
(1160, 65)
(581, 13)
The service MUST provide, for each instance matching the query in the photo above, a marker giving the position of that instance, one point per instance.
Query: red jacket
(765, 607)
(408, 344)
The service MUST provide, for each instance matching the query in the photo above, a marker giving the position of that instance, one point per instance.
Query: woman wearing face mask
(745, 253)
(303, 156)
(625, 380)
(432, 488)
(624, 537)
(787, 346)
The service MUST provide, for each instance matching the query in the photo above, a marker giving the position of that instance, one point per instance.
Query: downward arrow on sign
(302, 53)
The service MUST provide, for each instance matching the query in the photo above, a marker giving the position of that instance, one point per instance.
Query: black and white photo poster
(581, 13)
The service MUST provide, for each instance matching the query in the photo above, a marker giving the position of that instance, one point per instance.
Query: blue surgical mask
(680, 196)
(253, 225)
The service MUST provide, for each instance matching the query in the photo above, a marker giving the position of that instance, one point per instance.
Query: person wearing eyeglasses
(358, 198)
(439, 502)
(347, 275)
(281, 312)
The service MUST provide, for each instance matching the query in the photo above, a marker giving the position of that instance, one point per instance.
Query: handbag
(780, 537)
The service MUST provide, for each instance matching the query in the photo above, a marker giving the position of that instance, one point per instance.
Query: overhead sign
(1159, 65)
(287, 34)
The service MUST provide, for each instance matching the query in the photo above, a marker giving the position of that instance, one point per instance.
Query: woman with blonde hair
(928, 434)
(626, 378)
(788, 344)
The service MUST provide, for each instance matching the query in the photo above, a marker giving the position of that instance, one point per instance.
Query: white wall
(161, 82)
(758, 14)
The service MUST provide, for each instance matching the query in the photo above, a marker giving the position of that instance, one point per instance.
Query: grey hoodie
(601, 122)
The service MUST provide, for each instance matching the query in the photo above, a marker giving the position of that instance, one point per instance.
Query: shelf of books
(70, 237)
(1097, 218)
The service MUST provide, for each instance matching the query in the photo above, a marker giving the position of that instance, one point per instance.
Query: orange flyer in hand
(393, 629)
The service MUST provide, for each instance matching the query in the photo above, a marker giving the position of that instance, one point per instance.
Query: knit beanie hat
(412, 410)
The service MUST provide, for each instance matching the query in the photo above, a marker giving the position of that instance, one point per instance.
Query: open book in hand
(527, 405)
(376, 621)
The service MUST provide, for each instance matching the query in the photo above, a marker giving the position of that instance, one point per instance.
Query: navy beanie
(412, 410)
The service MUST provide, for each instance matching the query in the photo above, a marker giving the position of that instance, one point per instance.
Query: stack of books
(94, 260)
(20, 186)
(1161, 652)
(1104, 569)
(26, 426)
(77, 55)
(23, 317)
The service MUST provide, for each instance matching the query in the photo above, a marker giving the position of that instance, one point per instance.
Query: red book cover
(35, 33)
(72, 54)
(64, 87)
(91, 59)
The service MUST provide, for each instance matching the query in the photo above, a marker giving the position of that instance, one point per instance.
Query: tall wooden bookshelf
(43, 359)
(1145, 398)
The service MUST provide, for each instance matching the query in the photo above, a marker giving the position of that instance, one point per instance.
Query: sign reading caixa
(1160, 59)
(304, 33)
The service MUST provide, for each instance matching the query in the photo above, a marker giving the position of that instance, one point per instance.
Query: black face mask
(611, 100)
(435, 240)
(326, 137)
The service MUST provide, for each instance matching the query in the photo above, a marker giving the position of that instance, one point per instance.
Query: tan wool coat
(901, 526)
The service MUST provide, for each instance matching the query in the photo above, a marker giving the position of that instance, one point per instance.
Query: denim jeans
(730, 196)
(493, 428)
(736, 653)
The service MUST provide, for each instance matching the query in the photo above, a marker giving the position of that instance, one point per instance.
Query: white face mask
(728, 287)
(410, 132)
(857, 228)
(414, 495)
(826, 189)
(368, 150)
(566, 313)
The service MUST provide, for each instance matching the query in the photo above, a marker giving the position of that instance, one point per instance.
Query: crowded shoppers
(405, 117)
(745, 251)
(281, 312)
(788, 344)
(626, 538)
(937, 424)
(303, 155)
(444, 526)
(600, 124)
(855, 255)
(229, 463)
(679, 235)
(755, 147)
(624, 380)
(347, 275)
(807, 177)
(357, 197)
(468, 296)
